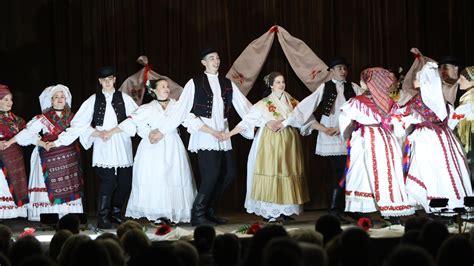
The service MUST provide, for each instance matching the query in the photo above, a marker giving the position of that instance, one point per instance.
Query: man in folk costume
(209, 96)
(112, 157)
(330, 96)
(436, 164)
(374, 179)
(449, 71)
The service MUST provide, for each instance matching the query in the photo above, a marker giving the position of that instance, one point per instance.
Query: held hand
(106, 135)
(219, 135)
(7, 144)
(2, 145)
(274, 125)
(50, 145)
(331, 131)
(225, 136)
(155, 136)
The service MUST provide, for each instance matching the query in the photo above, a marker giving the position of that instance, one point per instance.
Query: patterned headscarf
(468, 73)
(46, 96)
(378, 81)
(4, 91)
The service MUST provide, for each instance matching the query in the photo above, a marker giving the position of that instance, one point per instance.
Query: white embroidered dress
(163, 184)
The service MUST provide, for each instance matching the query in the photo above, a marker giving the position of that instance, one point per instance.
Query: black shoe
(287, 218)
(103, 221)
(211, 216)
(116, 216)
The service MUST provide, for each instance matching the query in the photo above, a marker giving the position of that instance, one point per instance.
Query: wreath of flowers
(249, 229)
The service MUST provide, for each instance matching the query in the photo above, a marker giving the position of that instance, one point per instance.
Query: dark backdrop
(45, 42)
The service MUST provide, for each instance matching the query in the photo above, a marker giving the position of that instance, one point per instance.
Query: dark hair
(397, 71)
(70, 222)
(268, 81)
(151, 85)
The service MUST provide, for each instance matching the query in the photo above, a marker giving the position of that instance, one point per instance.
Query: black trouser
(116, 186)
(338, 164)
(218, 170)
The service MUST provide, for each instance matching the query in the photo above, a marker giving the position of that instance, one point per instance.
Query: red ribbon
(145, 74)
(274, 29)
(417, 56)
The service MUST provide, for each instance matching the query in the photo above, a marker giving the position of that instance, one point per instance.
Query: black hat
(449, 59)
(106, 71)
(206, 51)
(338, 60)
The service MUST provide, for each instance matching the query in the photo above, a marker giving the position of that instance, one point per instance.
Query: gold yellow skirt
(278, 175)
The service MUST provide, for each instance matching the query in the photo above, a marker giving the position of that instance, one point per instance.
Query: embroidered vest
(203, 96)
(330, 94)
(100, 104)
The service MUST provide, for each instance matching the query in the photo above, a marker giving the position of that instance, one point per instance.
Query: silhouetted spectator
(5, 238)
(313, 254)
(66, 255)
(456, 250)
(329, 226)
(409, 255)
(57, 243)
(415, 223)
(186, 252)
(432, 236)
(204, 236)
(412, 237)
(355, 247)
(89, 253)
(70, 222)
(115, 251)
(134, 242)
(259, 240)
(226, 250)
(23, 248)
(282, 251)
(126, 226)
(308, 236)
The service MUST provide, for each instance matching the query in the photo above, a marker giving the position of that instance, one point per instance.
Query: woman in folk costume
(464, 114)
(436, 161)
(163, 187)
(55, 184)
(13, 183)
(374, 177)
(276, 183)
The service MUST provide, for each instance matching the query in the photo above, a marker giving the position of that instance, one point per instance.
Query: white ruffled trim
(331, 153)
(111, 166)
(271, 210)
(209, 149)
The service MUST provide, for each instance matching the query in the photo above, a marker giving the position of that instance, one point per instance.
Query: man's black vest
(203, 96)
(330, 94)
(99, 108)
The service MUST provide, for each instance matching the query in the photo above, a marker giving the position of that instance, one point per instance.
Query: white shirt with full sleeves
(113, 153)
(204, 141)
(326, 145)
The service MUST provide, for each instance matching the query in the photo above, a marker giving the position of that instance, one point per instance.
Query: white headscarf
(431, 89)
(47, 95)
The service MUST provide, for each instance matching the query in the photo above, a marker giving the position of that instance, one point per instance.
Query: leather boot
(198, 212)
(337, 205)
(116, 216)
(103, 221)
(211, 216)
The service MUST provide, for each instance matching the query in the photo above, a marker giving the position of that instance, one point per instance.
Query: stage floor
(184, 231)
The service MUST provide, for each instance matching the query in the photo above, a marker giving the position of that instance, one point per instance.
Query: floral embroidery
(272, 108)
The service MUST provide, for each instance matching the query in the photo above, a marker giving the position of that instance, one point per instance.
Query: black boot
(337, 205)
(116, 216)
(103, 221)
(211, 216)
(198, 213)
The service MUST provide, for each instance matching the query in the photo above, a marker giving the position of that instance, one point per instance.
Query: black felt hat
(206, 51)
(338, 60)
(449, 59)
(106, 71)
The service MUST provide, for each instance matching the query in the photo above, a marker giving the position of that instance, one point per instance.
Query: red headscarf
(4, 91)
(378, 81)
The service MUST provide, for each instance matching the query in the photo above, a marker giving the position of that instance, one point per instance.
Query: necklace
(58, 110)
(163, 101)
